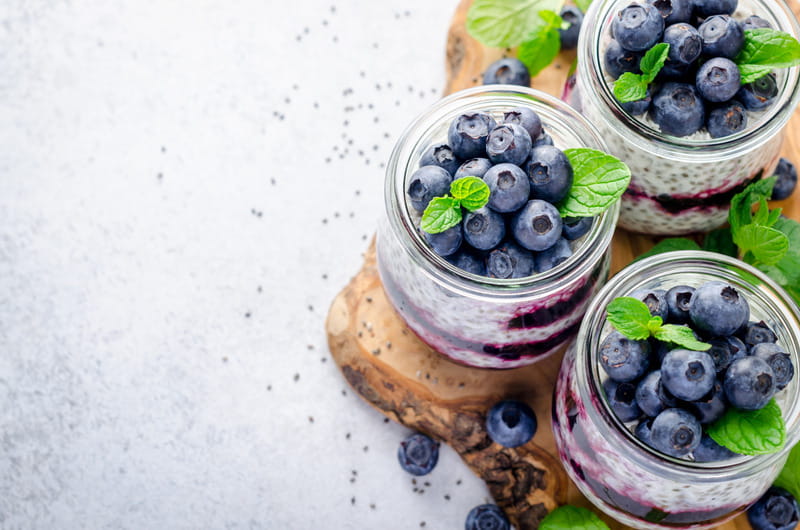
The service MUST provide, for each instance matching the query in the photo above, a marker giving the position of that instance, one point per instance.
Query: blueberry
(426, 183)
(718, 309)
(623, 359)
(778, 360)
(447, 242)
(749, 383)
(511, 423)
(725, 350)
(474, 167)
(718, 79)
(676, 432)
(575, 227)
(650, 396)
(543, 139)
(711, 451)
(483, 228)
(707, 8)
(508, 71)
(758, 332)
(674, 11)
(685, 44)
(618, 60)
(537, 225)
(418, 454)
(525, 118)
(469, 262)
(661, 349)
(508, 143)
(687, 374)
(755, 22)
(509, 261)
(787, 180)
(777, 509)
(440, 155)
(572, 16)
(487, 517)
(467, 134)
(638, 27)
(677, 109)
(622, 398)
(678, 299)
(655, 300)
(727, 119)
(553, 256)
(722, 36)
(710, 407)
(644, 431)
(509, 187)
(550, 173)
(639, 106)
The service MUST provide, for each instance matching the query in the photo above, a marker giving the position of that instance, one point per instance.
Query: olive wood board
(394, 371)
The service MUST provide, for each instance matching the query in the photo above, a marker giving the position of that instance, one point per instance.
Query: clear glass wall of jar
(476, 320)
(627, 479)
(680, 185)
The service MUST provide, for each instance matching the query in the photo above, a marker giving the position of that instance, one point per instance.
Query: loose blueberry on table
(511, 423)
(418, 454)
(776, 510)
(487, 517)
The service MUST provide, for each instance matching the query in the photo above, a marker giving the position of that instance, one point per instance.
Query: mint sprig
(506, 23)
(633, 87)
(444, 212)
(570, 517)
(764, 50)
(543, 42)
(632, 318)
(750, 432)
(789, 479)
(598, 180)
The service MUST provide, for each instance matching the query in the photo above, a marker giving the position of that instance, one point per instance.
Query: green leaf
(653, 61)
(441, 213)
(787, 271)
(789, 479)
(572, 518)
(629, 316)
(682, 336)
(506, 23)
(752, 72)
(762, 213)
(770, 48)
(750, 432)
(668, 245)
(742, 203)
(471, 192)
(721, 241)
(583, 5)
(598, 181)
(767, 244)
(630, 87)
(543, 43)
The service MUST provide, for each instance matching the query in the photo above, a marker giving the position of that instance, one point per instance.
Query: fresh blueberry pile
(672, 392)
(699, 86)
(519, 232)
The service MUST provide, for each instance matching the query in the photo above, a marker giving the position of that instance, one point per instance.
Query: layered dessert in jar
(639, 440)
(683, 174)
(488, 295)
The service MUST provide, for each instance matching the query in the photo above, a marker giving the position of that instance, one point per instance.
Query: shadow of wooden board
(404, 379)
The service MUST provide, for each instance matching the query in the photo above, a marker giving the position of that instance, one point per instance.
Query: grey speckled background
(184, 187)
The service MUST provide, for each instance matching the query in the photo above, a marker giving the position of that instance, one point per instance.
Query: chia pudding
(629, 480)
(478, 320)
(680, 185)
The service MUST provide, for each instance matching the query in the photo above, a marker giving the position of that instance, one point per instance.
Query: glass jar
(680, 185)
(476, 320)
(627, 479)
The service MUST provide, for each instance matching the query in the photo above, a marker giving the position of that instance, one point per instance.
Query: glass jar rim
(588, 341)
(646, 138)
(550, 109)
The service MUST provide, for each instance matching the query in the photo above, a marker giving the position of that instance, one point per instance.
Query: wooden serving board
(399, 375)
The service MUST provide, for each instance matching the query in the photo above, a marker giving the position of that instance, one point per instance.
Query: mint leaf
(440, 214)
(572, 518)
(471, 192)
(583, 5)
(682, 336)
(750, 432)
(668, 245)
(742, 203)
(630, 87)
(787, 271)
(767, 245)
(789, 479)
(629, 316)
(653, 61)
(720, 241)
(542, 44)
(764, 50)
(598, 180)
(506, 23)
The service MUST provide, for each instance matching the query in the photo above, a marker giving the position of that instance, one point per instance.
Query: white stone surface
(171, 236)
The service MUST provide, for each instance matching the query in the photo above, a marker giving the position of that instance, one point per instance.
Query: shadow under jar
(680, 185)
(476, 320)
(627, 479)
